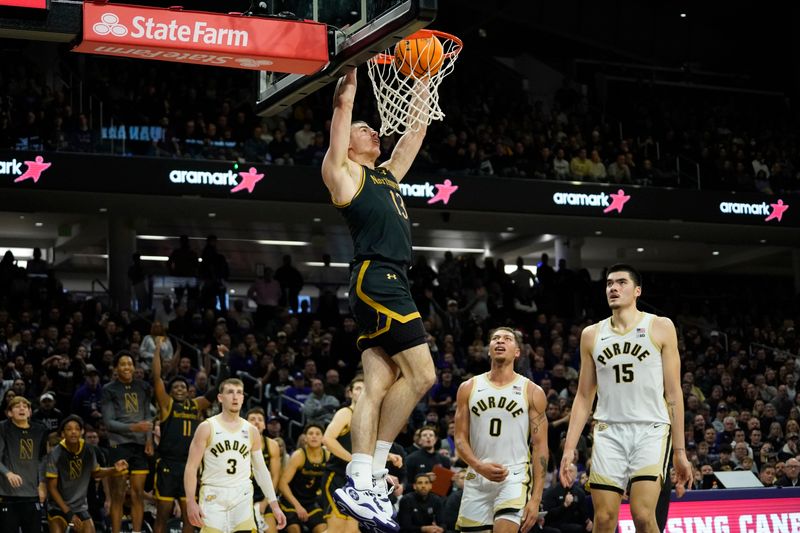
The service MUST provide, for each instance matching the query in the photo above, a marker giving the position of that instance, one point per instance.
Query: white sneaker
(383, 488)
(366, 507)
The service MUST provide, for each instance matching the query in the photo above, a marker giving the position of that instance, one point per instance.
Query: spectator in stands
(580, 168)
(597, 170)
(214, 272)
(297, 393)
(266, 293)
(425, 458)
(566, 507)
(421, 511)
(148, 346)
(333, 385)
(791, 474)
(47, 414)
(767, 475)
(619, 172)
(452, 503)
(560, 166)
(281, 149)
(86, 401)
(183, 264)
(291, 282)
(319, 406)
(255, 148)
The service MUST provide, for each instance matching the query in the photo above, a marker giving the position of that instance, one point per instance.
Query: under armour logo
(391, 276)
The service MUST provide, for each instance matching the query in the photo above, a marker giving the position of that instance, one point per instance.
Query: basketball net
(407, 102)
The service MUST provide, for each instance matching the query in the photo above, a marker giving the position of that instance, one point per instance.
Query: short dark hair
(422, 474)
(255, 411)
(71, 418)
(120, 354)
(624, 267)
(313, 425)
(516, 333)
(175, 380)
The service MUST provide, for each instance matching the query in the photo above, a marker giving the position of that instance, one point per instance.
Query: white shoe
(366, 507)
(383, 488)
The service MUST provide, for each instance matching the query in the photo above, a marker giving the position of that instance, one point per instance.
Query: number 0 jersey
(226, 461)
(630, 375)
(378, 219)
(499, 427)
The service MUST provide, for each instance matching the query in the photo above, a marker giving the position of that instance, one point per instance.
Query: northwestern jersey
(630, 376)
(345, 439)
(307, 479)
(21, 450)
(177, 430)
(74, 473)
(499, 427)
(226, 461)
(123, 405)
(378, 219)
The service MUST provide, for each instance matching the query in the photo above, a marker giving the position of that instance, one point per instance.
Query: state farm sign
(204, 38)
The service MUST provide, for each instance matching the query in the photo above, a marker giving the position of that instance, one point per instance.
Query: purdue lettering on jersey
(498, 402)
(499, 427)
(228, 445)
(630, 375)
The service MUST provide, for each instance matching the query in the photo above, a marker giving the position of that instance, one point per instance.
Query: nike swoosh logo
(480, 390)
(606, 338)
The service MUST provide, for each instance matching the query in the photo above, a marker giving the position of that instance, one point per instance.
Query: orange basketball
(418, 57)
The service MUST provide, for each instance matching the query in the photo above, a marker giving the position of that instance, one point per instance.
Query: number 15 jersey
(499, 427)
(226, 461)
(630, 374)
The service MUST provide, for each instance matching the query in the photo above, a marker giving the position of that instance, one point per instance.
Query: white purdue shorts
(629, 452)
(227, 509)
(485, 501)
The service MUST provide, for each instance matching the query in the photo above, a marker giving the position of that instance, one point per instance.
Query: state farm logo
(33, 170)
(770, 211)
(616, 203)
(109, 23)
(152, 29)
(248, 181)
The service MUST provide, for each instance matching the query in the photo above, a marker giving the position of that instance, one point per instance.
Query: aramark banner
(236, 41)
(214, 179)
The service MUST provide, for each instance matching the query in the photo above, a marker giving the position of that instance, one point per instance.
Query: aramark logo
(149, 28)
(617, 202)
(426, 190)
(33, 172)
(219, 179)
(771, 211)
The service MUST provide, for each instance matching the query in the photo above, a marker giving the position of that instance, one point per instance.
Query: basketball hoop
(399, 77)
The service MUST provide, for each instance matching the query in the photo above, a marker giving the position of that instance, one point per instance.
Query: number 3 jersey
(630, 375)
(226, 461)
(499, 427)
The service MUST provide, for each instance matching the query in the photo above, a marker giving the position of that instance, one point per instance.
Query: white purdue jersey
(226, 461)
(499, 427)
(630, 376)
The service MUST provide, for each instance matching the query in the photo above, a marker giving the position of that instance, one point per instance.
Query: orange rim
(387, 59)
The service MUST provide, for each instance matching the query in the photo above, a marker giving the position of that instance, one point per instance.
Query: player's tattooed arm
(537, 421)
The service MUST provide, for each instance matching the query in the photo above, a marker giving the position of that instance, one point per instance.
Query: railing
(754, 346)
(687, 168)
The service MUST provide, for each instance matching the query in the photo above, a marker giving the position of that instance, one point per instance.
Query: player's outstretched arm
(330, 439)
(407, 148)
(664, 333)
(582, 405)
(196, 450)
(537, 406)
(336, 165)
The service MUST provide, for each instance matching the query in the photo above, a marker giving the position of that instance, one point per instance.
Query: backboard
(357, 31)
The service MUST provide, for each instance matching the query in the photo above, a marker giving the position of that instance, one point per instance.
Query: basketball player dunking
(230, 449)
(398, 367)
(500, 415)
(631, 362)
